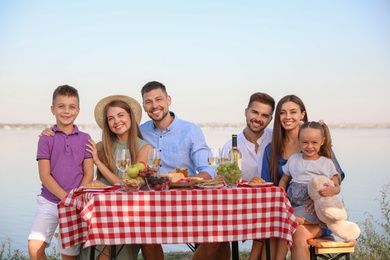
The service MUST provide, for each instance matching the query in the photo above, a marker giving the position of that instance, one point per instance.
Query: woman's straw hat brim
(134, 105)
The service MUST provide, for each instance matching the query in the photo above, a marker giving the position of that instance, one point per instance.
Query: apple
(141, 180)
(140, 166)
(144, 163)
(132, 171)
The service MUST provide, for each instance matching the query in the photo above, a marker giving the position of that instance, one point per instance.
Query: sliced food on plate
(173, 177)
(185, 183)
(209, 184)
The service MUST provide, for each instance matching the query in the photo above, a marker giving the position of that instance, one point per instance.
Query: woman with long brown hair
(289, 112)
(118, 116)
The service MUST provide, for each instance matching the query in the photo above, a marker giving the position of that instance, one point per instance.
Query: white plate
(260, 185)
(210, 187)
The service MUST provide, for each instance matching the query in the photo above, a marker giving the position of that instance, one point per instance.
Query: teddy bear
(331, 211)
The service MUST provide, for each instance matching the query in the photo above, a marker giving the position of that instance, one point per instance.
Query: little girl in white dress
(315, 158)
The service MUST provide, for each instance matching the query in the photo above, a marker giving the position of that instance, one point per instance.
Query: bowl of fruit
(147, 172)
(230, 173)
(157, 183)
(139, 171)
(232, 181)
(130, 184)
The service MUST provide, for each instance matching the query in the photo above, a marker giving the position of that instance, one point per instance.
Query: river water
(362, 153)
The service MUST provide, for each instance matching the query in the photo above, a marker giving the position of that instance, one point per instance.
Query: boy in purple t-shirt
(64, 164)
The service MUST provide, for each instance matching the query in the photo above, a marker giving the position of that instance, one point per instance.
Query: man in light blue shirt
(181, 143)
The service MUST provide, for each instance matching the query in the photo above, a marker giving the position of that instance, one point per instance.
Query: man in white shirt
(251, 143)
(255, 136)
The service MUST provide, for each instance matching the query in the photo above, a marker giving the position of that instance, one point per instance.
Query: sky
(211, 56)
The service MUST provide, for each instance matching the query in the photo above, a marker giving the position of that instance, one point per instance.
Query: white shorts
(45, 224)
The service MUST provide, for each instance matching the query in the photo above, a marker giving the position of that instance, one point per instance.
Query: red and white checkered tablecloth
(175, 216)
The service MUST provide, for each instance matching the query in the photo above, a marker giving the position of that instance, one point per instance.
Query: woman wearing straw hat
(118, 116)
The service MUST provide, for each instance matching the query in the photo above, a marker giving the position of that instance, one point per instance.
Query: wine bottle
(235, 154)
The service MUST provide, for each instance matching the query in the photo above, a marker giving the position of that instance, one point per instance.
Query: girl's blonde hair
(106, 151)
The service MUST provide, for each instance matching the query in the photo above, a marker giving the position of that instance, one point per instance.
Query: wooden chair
(325, 247)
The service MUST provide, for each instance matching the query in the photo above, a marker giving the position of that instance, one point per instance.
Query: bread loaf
(257, 180)
(219, 178)
(96, 184)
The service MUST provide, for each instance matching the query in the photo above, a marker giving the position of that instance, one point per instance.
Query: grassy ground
(374, 242)
(6, 253)
(188, 255)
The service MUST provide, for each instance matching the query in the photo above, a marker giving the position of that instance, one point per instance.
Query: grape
(230, 171)
(229, 168)
(157, 183)
(147, 172)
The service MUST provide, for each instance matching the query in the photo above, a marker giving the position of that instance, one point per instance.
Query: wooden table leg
(235, 250)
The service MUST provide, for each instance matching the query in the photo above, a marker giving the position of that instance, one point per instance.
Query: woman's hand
(93, 150)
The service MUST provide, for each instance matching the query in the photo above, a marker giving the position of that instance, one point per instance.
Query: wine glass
(214, 158)
(122, 160)
(154, 159)
(226, 157)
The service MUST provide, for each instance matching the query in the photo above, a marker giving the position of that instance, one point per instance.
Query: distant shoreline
(217, 126)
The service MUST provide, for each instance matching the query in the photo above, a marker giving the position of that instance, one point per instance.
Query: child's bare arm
(284, 181)
(88, 169)
(330, 190)
(47, 179)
